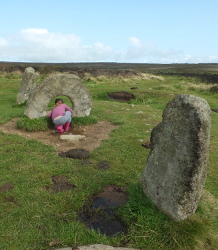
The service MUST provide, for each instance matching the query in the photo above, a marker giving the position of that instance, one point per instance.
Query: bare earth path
(94, 134)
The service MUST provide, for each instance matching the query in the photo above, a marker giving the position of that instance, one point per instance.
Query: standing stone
(27, 84)
(56, 85)
(176, 167)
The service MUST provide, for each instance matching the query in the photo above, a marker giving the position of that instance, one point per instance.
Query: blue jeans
(63, 119)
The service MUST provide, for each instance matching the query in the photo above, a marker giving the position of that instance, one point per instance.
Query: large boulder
(176, 167)
(28, 83)
(55, 85)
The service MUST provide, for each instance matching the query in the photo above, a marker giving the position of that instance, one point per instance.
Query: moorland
(34, 215)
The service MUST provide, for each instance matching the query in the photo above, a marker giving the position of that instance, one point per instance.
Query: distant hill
(206, 71)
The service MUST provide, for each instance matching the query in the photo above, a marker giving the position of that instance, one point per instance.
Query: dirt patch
(76, 153)
(6, 187)
(60, 184)
(214, 110)
(121, 96)
(94, 134)
(146, 144)
(99, 212)
(103, 165)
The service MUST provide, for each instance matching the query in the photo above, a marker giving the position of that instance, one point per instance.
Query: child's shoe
(60, 129)
(67, 125)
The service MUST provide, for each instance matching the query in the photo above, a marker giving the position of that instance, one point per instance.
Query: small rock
(71, 137)
(97, 247)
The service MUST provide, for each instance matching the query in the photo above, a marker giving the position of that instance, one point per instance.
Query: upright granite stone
(55, 85)
(27, 84)
(176, 167)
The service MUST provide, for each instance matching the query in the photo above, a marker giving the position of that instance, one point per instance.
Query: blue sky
(139, 31)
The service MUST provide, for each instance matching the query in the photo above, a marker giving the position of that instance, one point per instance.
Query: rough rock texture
(27, 84)
(71, 137)
(60, 84)
(97, 247)
(176, 167)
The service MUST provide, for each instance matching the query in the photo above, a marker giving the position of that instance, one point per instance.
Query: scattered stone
(76, 153)
(96, 247)
(59, 84)
(6, 187)
(71, 137)
(139, 112)
(134, 88)
(28, 83)
(176, 167)
(121, 96)
(60, 183)
(103, 165)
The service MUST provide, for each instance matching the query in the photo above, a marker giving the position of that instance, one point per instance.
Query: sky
(138, 31)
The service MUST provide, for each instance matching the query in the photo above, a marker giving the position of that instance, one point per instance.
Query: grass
(31, 217)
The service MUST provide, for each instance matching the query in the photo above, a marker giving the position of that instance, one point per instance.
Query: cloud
(3, 42)
(135, 42)
(40, 45)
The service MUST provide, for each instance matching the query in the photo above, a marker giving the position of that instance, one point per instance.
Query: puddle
(99, 212)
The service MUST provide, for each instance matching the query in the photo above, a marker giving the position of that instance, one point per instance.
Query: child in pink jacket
(61, 115)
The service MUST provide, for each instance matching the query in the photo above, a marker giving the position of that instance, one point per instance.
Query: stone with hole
(176, 167)
(28, 83)
(56, 85)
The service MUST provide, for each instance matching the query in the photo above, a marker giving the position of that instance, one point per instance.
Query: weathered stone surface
(28, 83)
(60, 84)
(71, 137)
(176, 167)
(97, 247)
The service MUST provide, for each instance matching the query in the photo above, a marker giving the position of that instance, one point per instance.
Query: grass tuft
(83, 121)
(32, 125)
(44, 123)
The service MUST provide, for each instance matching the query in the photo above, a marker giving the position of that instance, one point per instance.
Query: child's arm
(49, 114)
(69, 109)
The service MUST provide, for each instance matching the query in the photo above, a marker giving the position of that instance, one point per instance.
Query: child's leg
(60, 128)
(69, 118)
(63, 121)
(65, 118)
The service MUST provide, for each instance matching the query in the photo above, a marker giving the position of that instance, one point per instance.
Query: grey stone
(60, 84)
(98, 247)
(71, 137)
(176, 167)
(28, 83)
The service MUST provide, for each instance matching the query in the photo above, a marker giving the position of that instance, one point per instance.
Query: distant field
(149, 67)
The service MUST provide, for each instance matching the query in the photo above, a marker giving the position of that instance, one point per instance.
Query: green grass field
(31, 217)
